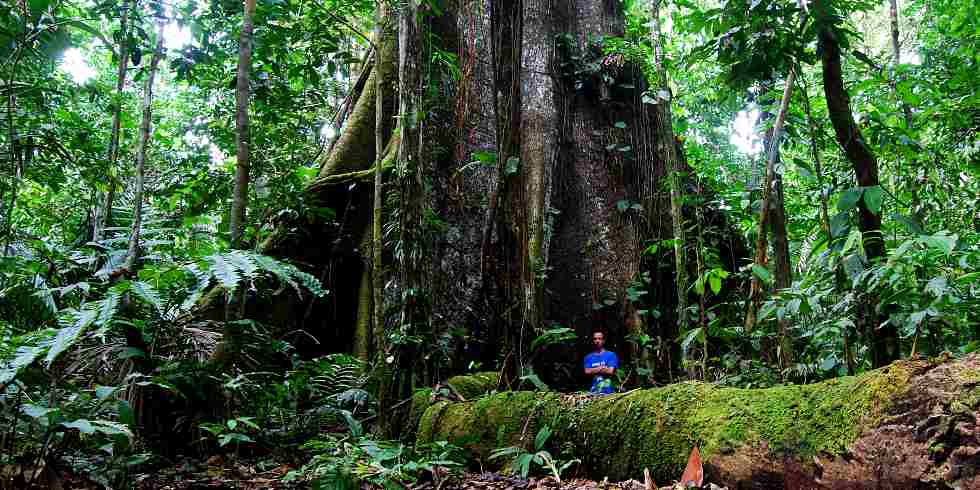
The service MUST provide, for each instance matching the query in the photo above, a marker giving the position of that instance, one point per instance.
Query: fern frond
(23, 357)
(309, 282)
(109, 305)
(276, 268)
(224, 271)
(289, 274)
(67, 335)
(244, 262)
(203, 280)
(147, 293)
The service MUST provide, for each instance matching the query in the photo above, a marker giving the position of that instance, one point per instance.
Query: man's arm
(599, 370)
(613, 363)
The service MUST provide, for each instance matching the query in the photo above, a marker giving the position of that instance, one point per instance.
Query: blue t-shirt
(601, 383)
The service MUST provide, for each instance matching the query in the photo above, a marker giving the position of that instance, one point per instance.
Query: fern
(244, 262)
(147, 293)
(109, 305)
(67, 335)
(224, 271)
(23, 357)
(278, 269)
(203, 280)
(289, 274)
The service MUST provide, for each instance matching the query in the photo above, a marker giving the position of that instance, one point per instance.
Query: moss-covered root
(909, 425)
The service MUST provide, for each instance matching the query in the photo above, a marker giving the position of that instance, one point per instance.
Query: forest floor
(217, 473)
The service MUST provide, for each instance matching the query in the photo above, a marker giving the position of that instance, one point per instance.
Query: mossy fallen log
(913, 424)
(474, 385)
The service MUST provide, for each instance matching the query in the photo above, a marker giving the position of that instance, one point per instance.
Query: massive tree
(539, 183)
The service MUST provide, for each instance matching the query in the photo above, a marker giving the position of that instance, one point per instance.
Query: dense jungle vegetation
(346, 244)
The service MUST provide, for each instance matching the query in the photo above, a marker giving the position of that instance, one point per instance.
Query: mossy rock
(837, 427)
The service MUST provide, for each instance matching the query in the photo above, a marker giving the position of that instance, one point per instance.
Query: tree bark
(884, 338)
(13, 154)
(104, 209)
(133, 254)
(377, 246)
(401, 344)
(669, 151)
(772, 215)
(243, 137)
(910, 425)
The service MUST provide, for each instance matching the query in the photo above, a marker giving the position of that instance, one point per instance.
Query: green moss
(421, 402)
(619, 435)
(473, 385)
(970, 375)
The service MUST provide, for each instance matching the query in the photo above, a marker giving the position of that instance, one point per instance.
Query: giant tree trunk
(913, 424)
(539, 237)
(884, 338)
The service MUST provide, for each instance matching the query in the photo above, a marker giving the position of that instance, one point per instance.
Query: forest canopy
(319, 239)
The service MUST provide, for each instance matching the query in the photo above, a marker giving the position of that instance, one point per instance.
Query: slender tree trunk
(783, 273)
(413, 236)
(243, 137)
(377, 248)
(103, 213)
(674, 170)
(132, 257)
(897, 56)
(824, 206)
(817, 164)
(918, 211)
(13, 154)
(765, 217)
(884, 338)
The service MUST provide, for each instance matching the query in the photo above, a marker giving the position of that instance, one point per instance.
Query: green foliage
(524, 461)
(927, 285)
(345, 462)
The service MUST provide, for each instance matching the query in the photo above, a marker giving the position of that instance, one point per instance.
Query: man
(601, 364)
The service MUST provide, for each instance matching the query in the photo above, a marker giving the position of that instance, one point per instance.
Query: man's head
(598, 340)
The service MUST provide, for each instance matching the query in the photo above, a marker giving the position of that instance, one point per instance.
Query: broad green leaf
(23, 357)
(103, 392)
(539, 440)
(849, 199)
(36, 411)
(83, 426)
(715, 283)
(695, 334)
(761, 272)
(872, 199)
